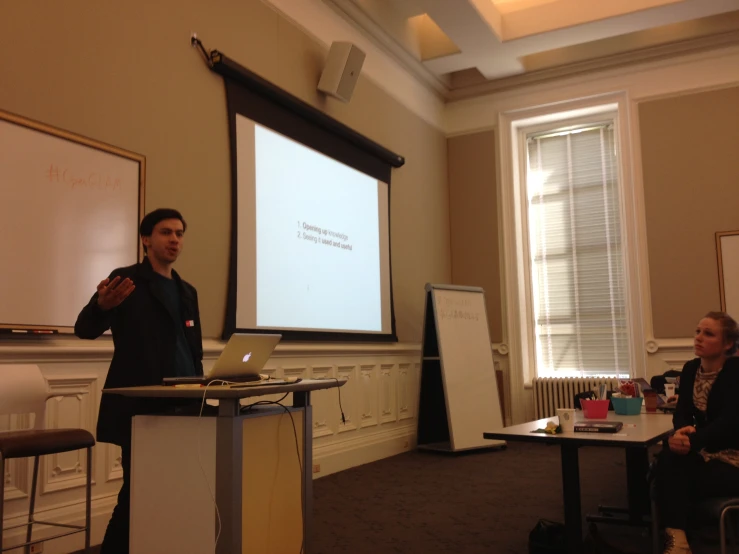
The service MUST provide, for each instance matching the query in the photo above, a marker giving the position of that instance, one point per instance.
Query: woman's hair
(729, 328)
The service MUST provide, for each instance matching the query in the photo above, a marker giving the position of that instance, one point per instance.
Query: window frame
(606, 119)
(518, 307)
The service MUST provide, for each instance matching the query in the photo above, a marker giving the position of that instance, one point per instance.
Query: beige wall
(689, 147)
(124, 73)
(473, 216)
(689, 144)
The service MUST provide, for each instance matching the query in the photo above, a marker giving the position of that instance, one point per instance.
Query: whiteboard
(468, 370)
(69, 214)
(727, 244)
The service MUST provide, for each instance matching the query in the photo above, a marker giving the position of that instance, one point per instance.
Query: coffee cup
(566, 419)
(650, 400)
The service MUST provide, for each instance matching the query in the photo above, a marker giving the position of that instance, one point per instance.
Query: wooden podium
(242, 477)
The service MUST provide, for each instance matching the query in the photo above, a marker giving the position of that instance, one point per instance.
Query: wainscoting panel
(369, 395)
(388, 393)
(500, 362)
(346, 398)
(407, 390)
(17, 478)
(322, 409)
(68, 470)
(379, 401)
(113, 468)
(670, 356)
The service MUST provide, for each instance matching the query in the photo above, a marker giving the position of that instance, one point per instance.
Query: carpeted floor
(480, 502)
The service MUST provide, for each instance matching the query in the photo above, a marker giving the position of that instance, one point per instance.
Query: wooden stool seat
(25, 444)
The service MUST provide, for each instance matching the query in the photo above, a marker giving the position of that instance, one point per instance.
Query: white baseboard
(334, 457)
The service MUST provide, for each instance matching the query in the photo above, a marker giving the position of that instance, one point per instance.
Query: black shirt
(183, 357)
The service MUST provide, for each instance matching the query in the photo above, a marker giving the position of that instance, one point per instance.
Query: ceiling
(464, 48)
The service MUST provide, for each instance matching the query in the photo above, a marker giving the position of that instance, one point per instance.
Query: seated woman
(702, 460)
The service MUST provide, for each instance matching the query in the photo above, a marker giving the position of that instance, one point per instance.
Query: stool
(24, 390)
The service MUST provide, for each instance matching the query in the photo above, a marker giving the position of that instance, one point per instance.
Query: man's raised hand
(112, 293)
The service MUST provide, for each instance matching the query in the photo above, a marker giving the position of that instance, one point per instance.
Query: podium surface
(239, 478)
(218, 392)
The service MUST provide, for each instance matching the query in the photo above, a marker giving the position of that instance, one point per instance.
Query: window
(613, 334)
(575, 254)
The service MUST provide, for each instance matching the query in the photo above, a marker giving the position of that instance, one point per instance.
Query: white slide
(313, 248)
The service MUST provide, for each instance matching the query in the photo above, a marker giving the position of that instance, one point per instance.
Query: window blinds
(577, 270)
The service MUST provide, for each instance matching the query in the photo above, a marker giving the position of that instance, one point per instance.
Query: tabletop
(638, 430)
(227, 391)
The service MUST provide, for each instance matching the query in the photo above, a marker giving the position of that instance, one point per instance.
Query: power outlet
(37, 548)
(316, 468)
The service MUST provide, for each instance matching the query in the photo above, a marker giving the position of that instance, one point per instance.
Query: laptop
(665, 406)
(243, 357)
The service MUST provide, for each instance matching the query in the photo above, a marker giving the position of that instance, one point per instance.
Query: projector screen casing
(268, 106)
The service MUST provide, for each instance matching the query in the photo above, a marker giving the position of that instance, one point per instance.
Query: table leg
(637, 467)
(302, 400)
(637, 511)
(571, 492)
(229, 451)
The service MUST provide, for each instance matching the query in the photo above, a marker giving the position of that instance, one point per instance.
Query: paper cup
(650, 401)
(566, 419)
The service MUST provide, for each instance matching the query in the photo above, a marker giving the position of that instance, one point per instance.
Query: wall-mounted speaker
(341, 71)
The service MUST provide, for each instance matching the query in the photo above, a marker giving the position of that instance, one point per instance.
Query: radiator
(551, 393)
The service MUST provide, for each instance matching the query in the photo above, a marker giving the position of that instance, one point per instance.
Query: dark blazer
(718, 428)
(144, 338)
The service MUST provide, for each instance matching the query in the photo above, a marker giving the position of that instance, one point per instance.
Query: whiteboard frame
(91, 143)
(446, 378)
(727, 250)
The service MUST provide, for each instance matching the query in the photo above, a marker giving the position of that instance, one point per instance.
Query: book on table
(598, 426)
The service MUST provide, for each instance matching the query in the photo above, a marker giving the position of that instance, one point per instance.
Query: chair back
(23, 391)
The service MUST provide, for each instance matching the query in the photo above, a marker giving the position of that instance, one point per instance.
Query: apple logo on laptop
(246, 357)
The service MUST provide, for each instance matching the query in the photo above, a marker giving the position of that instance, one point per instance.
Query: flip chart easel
(459, 393)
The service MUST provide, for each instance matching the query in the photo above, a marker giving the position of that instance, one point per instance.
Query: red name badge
(190, 323)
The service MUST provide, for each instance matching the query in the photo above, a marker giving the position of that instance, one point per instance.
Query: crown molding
(382, 39)
(354, 14)
(651, 54)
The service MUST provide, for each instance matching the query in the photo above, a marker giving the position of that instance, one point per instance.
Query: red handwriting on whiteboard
(78, 180)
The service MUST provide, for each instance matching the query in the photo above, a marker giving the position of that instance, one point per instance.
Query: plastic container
(595, 409)
(627, 406)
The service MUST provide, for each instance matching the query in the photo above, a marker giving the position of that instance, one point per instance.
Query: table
(639, 432)
(231, 450)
